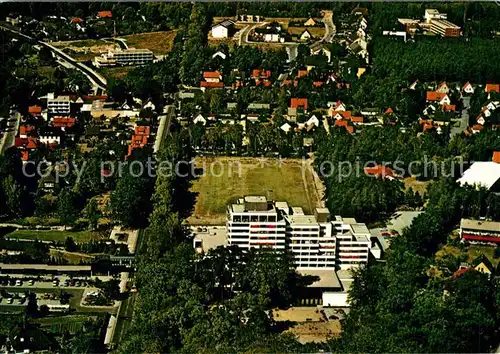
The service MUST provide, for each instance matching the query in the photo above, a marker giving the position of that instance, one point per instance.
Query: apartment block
(316, 241)
(130, 56)
(255, 222)
(59, 104)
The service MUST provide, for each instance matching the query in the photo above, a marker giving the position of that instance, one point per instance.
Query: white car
(19, 282)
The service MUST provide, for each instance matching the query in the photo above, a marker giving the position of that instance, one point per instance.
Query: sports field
(226, 179)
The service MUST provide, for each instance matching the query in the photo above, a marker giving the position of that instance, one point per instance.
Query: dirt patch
(417, 186)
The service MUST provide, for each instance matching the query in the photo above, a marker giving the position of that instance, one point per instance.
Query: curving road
(94, 77)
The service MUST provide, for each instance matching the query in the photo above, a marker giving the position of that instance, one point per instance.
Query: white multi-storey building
(130, 56)
(59, 104)
(255, 222)
(314, 240)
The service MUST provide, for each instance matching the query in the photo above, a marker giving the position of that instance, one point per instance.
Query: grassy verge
(53, 235)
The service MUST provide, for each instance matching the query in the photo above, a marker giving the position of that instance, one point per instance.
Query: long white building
(130, 56)
(314, 240)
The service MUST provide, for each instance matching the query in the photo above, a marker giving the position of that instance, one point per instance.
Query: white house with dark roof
(223, 29)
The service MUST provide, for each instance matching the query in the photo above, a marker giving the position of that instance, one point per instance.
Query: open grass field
(160, 43)
(316, 32)
(68, 323)
(475, 251)
(118, 72)
(53, 235)
(225, 179)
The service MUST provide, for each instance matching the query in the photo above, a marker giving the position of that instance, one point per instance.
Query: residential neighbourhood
(249, 177)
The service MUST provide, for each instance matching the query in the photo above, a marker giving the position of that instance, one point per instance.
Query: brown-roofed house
(143, 130)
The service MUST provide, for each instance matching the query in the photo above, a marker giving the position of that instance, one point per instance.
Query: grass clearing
(54, 235)
(160, 43)
(417, 186)
(118, 72)
(316, 32)
(475, 251)
(226, 178)
(61, 324)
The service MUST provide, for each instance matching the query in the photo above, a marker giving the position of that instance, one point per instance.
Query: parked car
(31, 282)
(19, 282)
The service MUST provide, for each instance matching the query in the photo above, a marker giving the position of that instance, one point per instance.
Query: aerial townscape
(250, 177)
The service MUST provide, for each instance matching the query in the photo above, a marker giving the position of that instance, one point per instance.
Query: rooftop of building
(255, 199)
(482, 173)
(326, 278)
(360, 229)
(480, 225)
(302, 219)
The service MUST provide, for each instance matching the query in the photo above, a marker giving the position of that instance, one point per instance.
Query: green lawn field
(225, 179)
(53, 235)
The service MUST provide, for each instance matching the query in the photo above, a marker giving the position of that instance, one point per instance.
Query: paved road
(163, 127)
(10, 132)
(93, 76)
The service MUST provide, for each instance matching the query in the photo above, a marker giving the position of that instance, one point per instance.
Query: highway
(94, 77)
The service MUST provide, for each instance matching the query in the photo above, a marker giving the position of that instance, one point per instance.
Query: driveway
(464, 119)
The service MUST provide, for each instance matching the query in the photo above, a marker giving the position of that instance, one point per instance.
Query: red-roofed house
(350, 129)
(301, 73)
(35, 110)
(461, 272)
(25, 131)
(63, 122)
(105, 14)
(492, 88)
(212, 76)
(449, 107)
(212, 84)
(318, 83)
(261, 74)
(341, 123)
(25, 156)
(496, 156)
(467, 88)
(339, 106)
(142, 130)
(443, 88)
(339, 115)
(299, 103)
(477, 128)
(76, 20)
(380, 171)
(440, 97)
(389, 111)
(289, 83)
(358, 120)
(32, 143)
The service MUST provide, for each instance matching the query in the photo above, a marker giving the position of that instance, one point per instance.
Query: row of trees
(402, 306)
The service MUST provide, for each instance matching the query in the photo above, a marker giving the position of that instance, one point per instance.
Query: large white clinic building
(130, 56)
(316, 241)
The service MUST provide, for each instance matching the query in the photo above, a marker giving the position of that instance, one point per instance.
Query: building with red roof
(434, 96)
(301, 73)
(142, 130)
(105, 14)
(211, 84)
(492, 88)
(496, 156)
(26, 130)
(298, 103)
(379, 171)
(261, 74)
(63, 122)
(76, 20)
(212, 76)
(35, 110)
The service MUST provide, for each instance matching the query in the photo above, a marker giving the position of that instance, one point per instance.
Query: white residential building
(314, 240)
(59, 104)
(223, 29)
